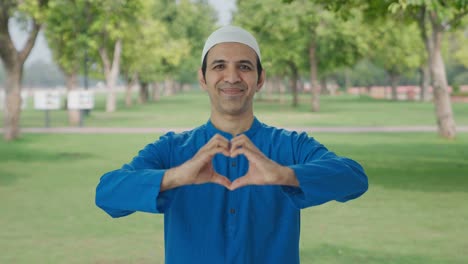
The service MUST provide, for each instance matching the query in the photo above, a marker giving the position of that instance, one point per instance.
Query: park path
(148, 130)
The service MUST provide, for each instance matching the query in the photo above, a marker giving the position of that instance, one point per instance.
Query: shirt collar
(212, 130)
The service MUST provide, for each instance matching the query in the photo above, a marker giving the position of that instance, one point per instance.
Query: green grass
(414, 212)
(192, 108)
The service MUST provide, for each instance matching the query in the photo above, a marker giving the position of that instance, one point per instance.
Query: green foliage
(31, 9)
(168, 40)
(396, 47)
(82, 26)
(446, 12)
(189, 23)
(366, 74)
(145, 46)
(282, 41)
(67, 33)
(457, 46)
(285, 31)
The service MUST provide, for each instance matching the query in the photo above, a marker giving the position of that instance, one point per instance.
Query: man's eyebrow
(246, 62)
(217, 62)
(221, 61)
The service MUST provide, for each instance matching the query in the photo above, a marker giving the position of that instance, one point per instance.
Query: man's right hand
(199, 169)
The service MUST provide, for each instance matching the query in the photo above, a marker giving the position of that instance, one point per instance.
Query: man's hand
(199, 169)
(262, 170)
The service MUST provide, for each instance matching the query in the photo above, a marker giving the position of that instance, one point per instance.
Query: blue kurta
(207, 223)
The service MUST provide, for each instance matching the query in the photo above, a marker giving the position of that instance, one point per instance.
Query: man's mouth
(232, 91)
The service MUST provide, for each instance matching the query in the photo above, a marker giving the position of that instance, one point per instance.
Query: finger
(222, 180)
(239, 182)
(249, 154)
(216, 142)
(242, 142)
(209, 154)
(253, 155)
(217, 138)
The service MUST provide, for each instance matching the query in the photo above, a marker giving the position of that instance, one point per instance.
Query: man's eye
(218, 67)
(245, 67)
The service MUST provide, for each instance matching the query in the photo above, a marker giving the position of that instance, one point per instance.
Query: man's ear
(201, 79)
(261, 80)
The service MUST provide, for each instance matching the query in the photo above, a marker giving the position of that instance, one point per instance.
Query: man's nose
(231, 75)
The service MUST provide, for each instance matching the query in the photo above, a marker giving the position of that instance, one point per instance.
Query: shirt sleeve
(323, 176)
(136, 186)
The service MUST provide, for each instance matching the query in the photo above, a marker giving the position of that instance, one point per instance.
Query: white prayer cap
(231, 34)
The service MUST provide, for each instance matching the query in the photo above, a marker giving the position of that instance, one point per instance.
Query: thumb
(222, 180)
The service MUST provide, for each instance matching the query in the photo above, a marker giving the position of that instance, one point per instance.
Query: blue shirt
(207, 223)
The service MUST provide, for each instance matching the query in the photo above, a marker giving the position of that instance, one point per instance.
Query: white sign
(47, 100)
(24, 100)
(80, 100)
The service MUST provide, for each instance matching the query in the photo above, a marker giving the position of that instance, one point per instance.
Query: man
(231, 190)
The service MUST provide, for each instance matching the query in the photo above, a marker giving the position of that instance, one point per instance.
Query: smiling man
(232, 189)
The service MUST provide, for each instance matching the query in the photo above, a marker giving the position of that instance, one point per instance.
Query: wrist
(171, 180)
(289, 177)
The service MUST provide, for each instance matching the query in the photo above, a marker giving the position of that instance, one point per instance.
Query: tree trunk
(156, 91)
(425, 68)
(282, 90)
(443, 105)
(394, 79)
(275, 88)
(270, 87)
(323, 86)
(144, 93)
(177, 87)
(71, 81)
(293, 83)
(131, 82)
(168, 86)
(111, 71)
(13, 61)
(425, 82)
(315, 88)
(12, 111)
(347, 82)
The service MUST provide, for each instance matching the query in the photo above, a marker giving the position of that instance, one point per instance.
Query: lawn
(192, 108)
(414, 212)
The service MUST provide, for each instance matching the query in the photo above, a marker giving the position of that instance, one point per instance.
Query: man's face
(231, 78)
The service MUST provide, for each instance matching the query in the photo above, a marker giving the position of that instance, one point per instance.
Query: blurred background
(86, 84)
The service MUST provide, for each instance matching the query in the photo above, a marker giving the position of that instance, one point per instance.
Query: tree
(110, 22)
(302, 33)
(193, 22)
(442, 16)
(66, 32)
(396, 48)
(189, 23)
(434, 17)
(274, 25)
(31, 13)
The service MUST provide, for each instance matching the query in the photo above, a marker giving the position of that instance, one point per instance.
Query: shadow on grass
(334, 254)
(25, 155)
(16, 154)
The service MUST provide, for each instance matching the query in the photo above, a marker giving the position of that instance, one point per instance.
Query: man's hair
(259, 67)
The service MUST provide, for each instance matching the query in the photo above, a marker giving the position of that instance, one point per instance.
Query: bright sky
(42, 52)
